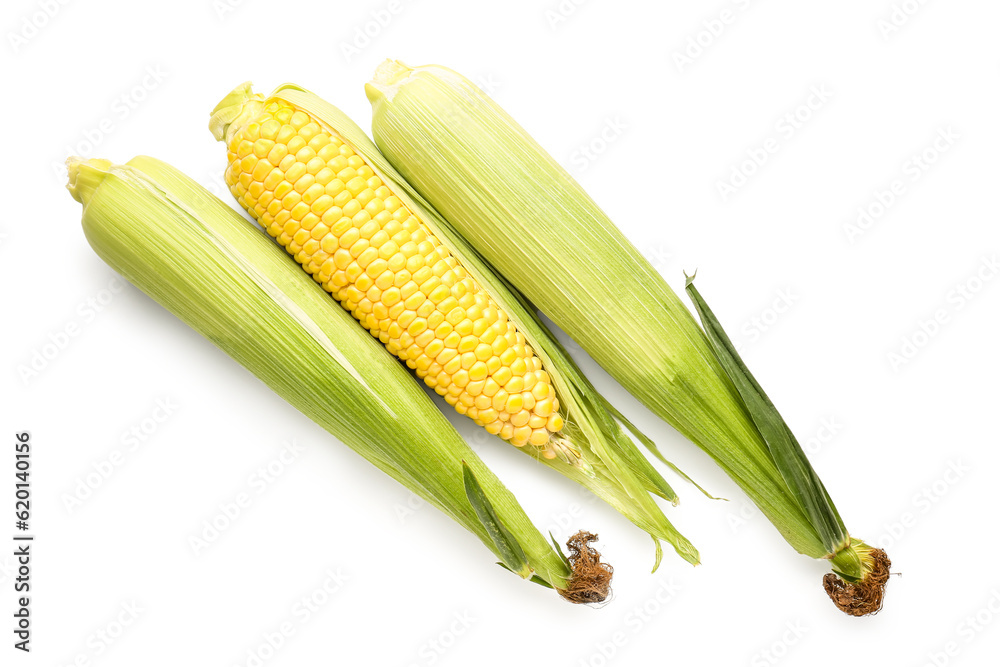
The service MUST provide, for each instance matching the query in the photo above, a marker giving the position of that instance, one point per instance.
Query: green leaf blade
(791, 461)
(508, 548)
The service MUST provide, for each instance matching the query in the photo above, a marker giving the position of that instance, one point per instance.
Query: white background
(883, 434)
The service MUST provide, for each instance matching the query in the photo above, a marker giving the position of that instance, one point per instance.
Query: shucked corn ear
(323, 203)
(314, 181)
(199, 259)
(535, 225)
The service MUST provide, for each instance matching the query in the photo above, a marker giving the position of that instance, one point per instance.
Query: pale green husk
(199, 259)
(609, 463)
(536, 226)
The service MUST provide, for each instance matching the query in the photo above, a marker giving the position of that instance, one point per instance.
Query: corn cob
(326, 206)
(536, 226)
(198, 258)
(312, 178)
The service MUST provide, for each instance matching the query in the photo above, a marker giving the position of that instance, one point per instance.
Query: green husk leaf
(535, 579)
(559, 550)
(510, 551)
(204, 263)
(651, 446)
(659, 555)
(802, 480)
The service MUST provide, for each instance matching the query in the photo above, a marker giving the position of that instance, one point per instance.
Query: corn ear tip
(229, 108)
(387, 75)
(372, 91)
(389, 71)
(83, 176)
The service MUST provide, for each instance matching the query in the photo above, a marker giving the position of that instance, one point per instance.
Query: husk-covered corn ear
(201, 261)
(535, 225)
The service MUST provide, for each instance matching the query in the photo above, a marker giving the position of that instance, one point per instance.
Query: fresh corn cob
(536, 226)
(198, 258)
(326, 206)
(316, 182)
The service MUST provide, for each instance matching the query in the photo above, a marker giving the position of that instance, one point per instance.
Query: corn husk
(535, 225)
(605, 459)
(204, 263)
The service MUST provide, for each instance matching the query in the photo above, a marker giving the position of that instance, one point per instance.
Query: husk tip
(83, 176)
(230, 108)
(387, 75)
(373, 91)
(390, 71)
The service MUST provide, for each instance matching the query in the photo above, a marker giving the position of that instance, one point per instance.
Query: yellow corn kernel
(539, 436)
(520, 418)
(541, 390)
(460, 378)
(515, 385)
(520, 436)
(478, 371)
(543, 408)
